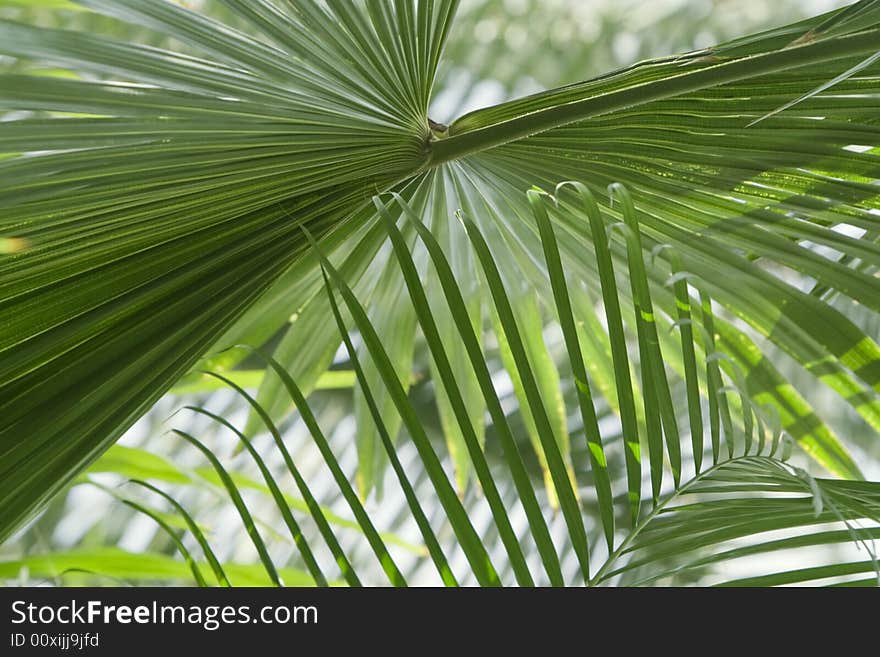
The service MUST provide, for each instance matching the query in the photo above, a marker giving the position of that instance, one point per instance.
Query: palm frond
(749, 503)
(122, 290)
(159, 203)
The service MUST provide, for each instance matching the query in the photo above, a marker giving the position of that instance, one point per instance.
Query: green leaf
(454, 242)
(345, 487)
(447, 376)
(598, 459)
(473, 548)
(231, 487)
(89, 564)
(161, 202)
(135, 463)
(395, 320)
(240, 506)
(431, 542)
(197, 382)
(620, 359)
(458, 308)
(750, 496)
(551, 449)
(193, 527)
(155, 273)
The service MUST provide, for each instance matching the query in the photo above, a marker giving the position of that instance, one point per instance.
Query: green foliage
(268, 175)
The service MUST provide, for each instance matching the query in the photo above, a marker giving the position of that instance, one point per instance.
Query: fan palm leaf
(158, 204)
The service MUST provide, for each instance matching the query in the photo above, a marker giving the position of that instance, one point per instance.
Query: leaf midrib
(550, 111)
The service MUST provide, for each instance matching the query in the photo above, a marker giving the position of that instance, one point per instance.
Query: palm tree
(683, 225)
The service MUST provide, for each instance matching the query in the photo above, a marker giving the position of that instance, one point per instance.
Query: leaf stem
(550, 111)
